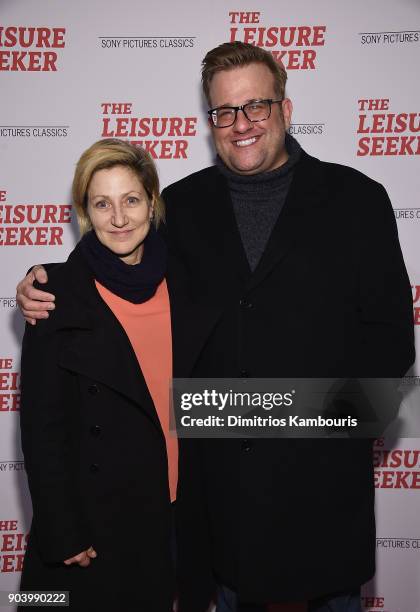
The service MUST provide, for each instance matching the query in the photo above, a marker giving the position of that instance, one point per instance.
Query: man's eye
(224, 112)
(255, 106)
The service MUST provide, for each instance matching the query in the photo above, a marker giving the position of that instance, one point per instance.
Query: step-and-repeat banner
(73, 72)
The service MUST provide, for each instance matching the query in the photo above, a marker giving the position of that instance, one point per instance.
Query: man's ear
(287, 109)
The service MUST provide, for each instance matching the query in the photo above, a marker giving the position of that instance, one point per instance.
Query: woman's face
(120, 212)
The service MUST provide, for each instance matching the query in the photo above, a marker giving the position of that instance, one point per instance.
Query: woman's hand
(83, 558)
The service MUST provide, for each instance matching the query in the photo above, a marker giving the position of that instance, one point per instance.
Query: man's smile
(245, 143)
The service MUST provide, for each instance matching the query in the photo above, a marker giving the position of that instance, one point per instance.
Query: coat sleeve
(385, 302)
(385, 312)
(195, 581)
(172, 232)
(196, 584)
(50, 443)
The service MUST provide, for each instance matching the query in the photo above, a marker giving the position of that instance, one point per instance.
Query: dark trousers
(227, 601)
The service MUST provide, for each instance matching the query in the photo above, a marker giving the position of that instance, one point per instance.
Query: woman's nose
(119, 218)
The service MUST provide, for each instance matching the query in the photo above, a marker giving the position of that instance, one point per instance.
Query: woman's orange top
(148, 327)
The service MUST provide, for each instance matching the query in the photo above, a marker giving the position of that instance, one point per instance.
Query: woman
(95, 399)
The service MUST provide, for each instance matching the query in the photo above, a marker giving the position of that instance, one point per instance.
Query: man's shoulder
(340, 173)
(193, 181)
(347, 188)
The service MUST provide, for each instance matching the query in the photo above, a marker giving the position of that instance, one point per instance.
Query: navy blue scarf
(136, 283)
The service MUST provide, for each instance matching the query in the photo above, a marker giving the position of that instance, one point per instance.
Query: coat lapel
(192, 323)
(306, 194)
(217, 222)
(98, 346)
(191, 326)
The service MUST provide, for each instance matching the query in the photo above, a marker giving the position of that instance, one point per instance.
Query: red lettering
(278, 56)
(309, 56)
(25, 236)
(248, 35)
(387, 480)
(18, 57)
(56, 237)
(175, 126)
(8, 542)
(7, 563)
(401, 480)
(319, 36)
(65, 214)
(19, 562)
(15, 403)
(121, 127)
(8, 525)
(294, 57)
(406, 142)
(28, 61)
(190, 126)
(105, 128)
(58, 38)
(34, 63)
(363, 147)
(303, 36)
(181, 150)
(50, 60)
(361, 129)
(391, 145)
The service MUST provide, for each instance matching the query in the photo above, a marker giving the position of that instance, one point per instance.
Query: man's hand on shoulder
(34, 303)
(83, 559)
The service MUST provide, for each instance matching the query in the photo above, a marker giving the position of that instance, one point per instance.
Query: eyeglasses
(225, 116)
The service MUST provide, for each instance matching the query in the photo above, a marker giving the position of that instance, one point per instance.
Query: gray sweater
(258, 199)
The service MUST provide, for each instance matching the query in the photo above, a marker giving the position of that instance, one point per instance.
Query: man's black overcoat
(289, 519)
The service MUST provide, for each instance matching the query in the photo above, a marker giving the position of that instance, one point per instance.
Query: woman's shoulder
(67, 276)
(70, 282)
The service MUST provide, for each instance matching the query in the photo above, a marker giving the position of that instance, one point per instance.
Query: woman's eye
(132, 200)
(101, 204)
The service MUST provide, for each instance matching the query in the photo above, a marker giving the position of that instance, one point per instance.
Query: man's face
(245, 147)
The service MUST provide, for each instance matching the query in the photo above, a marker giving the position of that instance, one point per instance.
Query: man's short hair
(108, 153)
(228, 56)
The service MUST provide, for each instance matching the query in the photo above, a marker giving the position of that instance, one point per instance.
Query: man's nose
(242, 124)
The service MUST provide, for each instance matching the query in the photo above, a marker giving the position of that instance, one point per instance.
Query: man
(292, 268)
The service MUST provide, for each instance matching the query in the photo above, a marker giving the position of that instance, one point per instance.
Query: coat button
(246, 445)
(94, 468)
(95, 430)
(245, 304)
(93, 389)
(244, 374)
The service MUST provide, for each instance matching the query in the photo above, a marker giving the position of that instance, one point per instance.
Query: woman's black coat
(95, 456)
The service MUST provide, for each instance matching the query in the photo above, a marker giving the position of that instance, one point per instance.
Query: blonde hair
(228, 56)
(108, 153)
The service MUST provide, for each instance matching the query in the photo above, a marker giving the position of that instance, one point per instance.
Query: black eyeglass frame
(242, 108)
